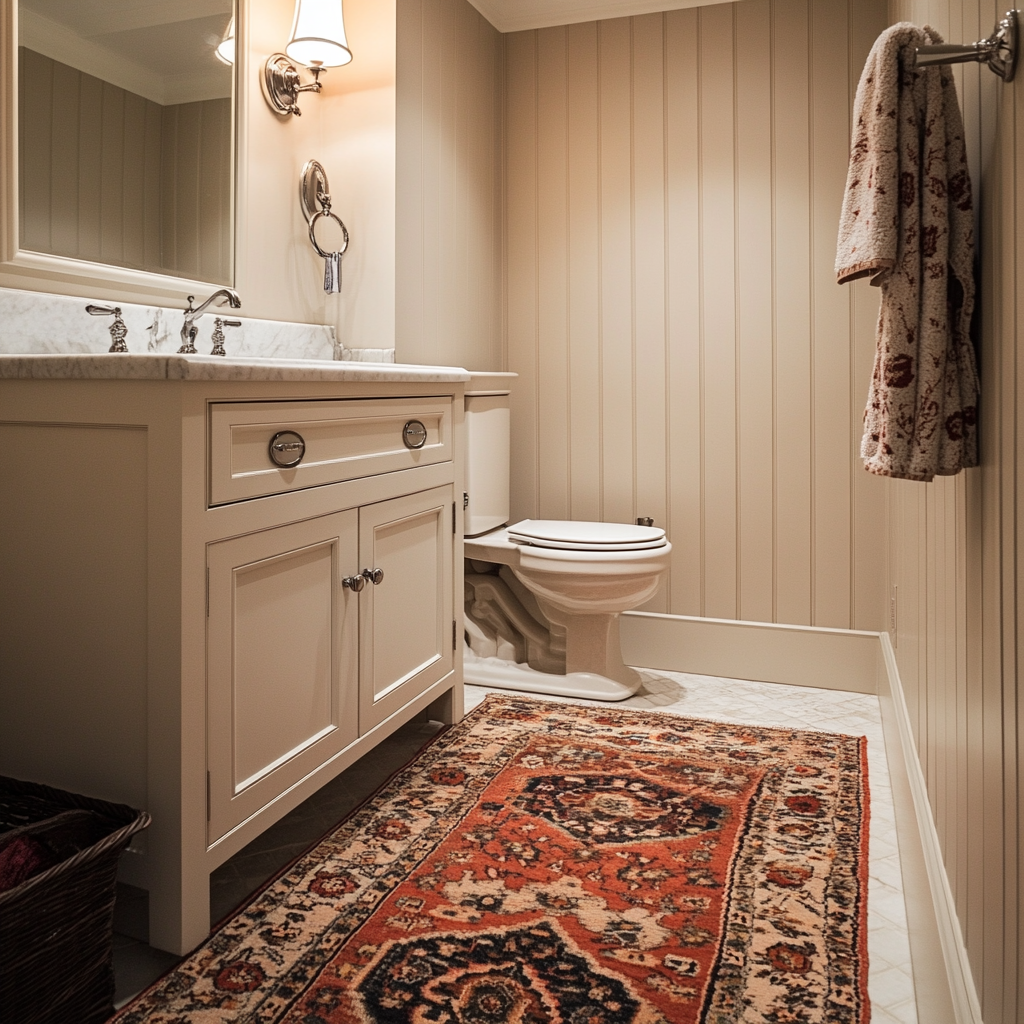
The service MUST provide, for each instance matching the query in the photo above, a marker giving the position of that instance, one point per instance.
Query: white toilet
(543, 597)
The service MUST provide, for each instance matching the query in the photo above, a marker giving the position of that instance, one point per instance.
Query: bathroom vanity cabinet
(188, 627)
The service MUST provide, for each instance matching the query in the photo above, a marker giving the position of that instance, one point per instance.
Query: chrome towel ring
(327, 212)
(315, 198)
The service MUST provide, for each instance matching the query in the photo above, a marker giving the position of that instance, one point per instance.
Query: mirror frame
(36, 271)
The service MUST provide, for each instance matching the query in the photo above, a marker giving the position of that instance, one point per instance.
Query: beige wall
(350, 129)
(954, 563)
(449, 197)
(673, 190)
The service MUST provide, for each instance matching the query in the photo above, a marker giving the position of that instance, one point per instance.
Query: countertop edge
(156, 366)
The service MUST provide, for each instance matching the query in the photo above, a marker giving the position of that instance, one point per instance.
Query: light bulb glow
(318, 34)
(225, 51)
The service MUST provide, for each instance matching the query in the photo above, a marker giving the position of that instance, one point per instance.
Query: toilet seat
(569, 535)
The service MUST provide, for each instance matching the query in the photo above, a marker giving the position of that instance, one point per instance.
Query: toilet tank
(487, 451)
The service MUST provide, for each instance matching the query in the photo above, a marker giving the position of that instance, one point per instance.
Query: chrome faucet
(189, 329)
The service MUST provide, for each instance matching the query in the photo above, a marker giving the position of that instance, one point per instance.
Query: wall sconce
(318, 42)
(225, 51)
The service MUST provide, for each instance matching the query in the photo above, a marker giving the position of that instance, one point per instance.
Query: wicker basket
(56, 928)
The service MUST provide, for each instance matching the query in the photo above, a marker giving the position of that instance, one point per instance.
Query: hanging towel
(907, 223)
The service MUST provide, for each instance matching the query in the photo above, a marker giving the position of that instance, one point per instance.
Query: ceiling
(160, 49)
(516, 15)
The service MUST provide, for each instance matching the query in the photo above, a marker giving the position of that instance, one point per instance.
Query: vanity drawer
(343, 439)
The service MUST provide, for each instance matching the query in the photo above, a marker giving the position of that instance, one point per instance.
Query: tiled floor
(889, 983)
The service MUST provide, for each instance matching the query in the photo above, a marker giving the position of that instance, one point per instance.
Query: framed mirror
(120, 139)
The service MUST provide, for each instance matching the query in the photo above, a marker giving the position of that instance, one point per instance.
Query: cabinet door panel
(405, 622)
(282, 661)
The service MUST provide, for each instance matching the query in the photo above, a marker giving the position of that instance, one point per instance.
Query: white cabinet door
(405, 622)
(282, 637)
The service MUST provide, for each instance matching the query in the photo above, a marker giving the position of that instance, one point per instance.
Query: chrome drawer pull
(414, 434)
(286, 449)
(355, 583)
(374, 576)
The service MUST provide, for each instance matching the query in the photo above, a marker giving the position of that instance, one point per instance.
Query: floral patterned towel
(907, 223)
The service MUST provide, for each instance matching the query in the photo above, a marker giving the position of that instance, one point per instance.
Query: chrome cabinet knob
(355, 583)
(374, 576)
(414, 434)
(286, 449)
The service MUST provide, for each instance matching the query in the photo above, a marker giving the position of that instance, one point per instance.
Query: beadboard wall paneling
(195, 239)
(448, 195)
(673, 184)
(954, 565)
(110, 176)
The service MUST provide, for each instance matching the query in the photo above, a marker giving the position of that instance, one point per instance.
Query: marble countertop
(131, 366)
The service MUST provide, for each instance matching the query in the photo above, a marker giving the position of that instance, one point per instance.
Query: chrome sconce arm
(282, 85)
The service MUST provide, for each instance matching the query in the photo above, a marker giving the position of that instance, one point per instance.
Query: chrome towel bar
(999, 51)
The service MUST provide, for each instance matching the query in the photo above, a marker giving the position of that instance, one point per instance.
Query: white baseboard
(942, 974)
(861, 662)
(834, 659)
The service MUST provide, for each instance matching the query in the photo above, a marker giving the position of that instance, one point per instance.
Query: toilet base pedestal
(508, 675)
(591, 643)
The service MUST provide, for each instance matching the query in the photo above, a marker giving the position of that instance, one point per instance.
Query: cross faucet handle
(218, 334)
(118, 331)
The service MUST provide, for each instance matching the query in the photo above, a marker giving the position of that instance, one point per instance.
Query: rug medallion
(543, 863)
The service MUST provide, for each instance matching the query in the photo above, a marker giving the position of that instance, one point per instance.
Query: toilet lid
(582, 536)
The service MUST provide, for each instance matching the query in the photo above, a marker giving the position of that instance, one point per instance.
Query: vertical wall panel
(649, 353)
(151, 188)
(869, 600)
(794, 351)
(448, 223)
(831, 341)
(113, 142)
(673, 185)
(35, 152)
(169, 191)
(954, 562)
(64, 191)
(615, 297)
(718, 244)
(186, 174)
(583, 274)
(755, 271)
(552, 290)
(90, 168)
(133, 178)
(522, 266)
(685, 585)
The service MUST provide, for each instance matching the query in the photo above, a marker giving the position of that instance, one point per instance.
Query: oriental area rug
(545, 863)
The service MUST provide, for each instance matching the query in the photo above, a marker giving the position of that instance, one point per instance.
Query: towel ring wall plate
(312, 185)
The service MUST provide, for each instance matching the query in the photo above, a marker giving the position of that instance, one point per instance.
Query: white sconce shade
(225, 51)
(318, 34)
